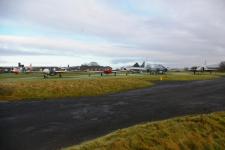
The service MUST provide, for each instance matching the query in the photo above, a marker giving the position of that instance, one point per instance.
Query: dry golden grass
(67, 88)
(184, 133)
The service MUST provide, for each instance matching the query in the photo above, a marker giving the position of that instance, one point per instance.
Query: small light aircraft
(52, 72)
(18, 70)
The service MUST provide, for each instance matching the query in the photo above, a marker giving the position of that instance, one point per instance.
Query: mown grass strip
(183, 133)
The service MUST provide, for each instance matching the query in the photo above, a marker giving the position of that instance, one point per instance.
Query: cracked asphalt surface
(53, 124)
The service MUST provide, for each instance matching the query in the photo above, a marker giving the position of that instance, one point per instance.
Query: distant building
(213, 67)
(94, 68)
(6, 69)
(74, 68)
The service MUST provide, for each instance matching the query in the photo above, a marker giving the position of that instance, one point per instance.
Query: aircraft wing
(60, 71)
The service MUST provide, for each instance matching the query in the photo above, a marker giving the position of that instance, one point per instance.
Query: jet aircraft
(151, 68)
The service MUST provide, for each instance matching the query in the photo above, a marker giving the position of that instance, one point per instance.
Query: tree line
(222, 66)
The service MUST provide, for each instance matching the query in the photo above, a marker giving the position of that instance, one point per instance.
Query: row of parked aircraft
(136, 68)
(52, 71)
(151, 68)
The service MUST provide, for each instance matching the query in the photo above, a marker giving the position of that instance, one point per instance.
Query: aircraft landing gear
(45, 76)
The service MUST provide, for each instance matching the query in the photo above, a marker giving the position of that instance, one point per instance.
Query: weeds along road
(53, 124)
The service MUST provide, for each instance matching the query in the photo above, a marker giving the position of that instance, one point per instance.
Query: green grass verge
(32, 86)
(183, 133)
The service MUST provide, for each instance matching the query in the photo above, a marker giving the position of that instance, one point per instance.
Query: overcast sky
(176, 33)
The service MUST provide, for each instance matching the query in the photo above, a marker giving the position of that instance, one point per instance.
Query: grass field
(183, 133)
(33, 86)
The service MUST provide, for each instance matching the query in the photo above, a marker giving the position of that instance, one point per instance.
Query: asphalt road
(53, 124)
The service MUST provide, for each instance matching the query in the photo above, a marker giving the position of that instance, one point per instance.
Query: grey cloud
(16, 52)
(2, 61)
(125, 60)
(186, 31)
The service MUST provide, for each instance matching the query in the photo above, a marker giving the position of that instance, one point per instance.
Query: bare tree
(222, 66)
(93, 64)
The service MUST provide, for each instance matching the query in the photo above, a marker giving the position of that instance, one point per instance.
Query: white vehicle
(156, 69)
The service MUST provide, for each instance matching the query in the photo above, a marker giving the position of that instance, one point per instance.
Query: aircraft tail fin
(143, 64)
